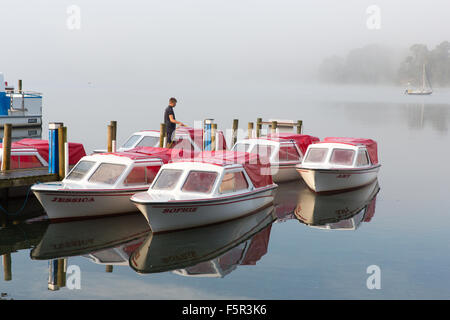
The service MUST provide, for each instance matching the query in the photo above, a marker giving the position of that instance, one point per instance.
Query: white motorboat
(343, 211)
(186, 138)
(101, 184)
(213, 187)
(206, 251)
(283, 150)
(340, 164)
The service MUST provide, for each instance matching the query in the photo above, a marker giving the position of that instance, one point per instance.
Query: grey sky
(200, 40)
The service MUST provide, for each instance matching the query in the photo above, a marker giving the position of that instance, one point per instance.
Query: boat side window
(232, 182)
(131, 141)
(241, 147)
(362, 159)
(288, 153)
(141, 175)
(149, 142)
(316, 155)
(342, 157)
(167, 179)
(80, 170)
(183, 143)
(199, 181)
(262, 150)
(25, 162)
(107, 173)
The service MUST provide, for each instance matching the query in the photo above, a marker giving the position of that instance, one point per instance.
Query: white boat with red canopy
(214, 187)
(101, 184)
(284, 151)
(338, 164)
(186, 138)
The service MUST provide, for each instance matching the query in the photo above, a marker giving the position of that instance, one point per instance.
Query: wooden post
(274, 127)
(66, 152)
(234, 132)
(258, 127)
(213, 136)
(61, 161)
(7, 274)
(61, 273)
(299, 126)
(114, 135)
(162, 134)
(109, 268)
(110, 136)
(19, 86)
(6, 158)
(250, 130)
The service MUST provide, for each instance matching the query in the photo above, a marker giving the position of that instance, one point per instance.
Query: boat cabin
(341, 153)
(186, 139)
(116, 170)
(211, 174)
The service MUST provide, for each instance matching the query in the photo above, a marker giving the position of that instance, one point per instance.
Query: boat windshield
(107, 173)
(316, 155)
(131, 141)
(199, 181)
(262, 150)
(342, 157)
(149, 142)
(167, 179)
(241, 147)
(80, 170)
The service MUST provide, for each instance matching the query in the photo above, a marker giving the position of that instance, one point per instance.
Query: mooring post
(114, 136)
(6, 157)
(162, 134)
(66, 152)
(53, 141)
(52, 283)
(61, 273)
(109, 138)
(61, 161)
(213, 137)
(7, 274)
(234, 132)
(299, 126)
(19, 85)
(207, 134)
(250, 130)
(274, 127)
(258, 127)
(109, 268)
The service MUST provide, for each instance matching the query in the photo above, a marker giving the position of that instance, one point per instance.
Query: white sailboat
(423, 91)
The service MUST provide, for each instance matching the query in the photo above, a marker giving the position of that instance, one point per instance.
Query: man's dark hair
(173, 100)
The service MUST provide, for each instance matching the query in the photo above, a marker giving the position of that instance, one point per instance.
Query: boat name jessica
(57, 199)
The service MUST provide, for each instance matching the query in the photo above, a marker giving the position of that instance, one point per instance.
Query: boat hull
(182, 215)
(72, 205)
(284, 173)
(337, 180)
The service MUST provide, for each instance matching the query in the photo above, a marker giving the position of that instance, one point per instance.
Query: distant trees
(437, 63)
(374, 64)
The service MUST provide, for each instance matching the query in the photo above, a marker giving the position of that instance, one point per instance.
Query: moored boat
(213, 187)
(340, 164)
(101, 184)
(283, 150)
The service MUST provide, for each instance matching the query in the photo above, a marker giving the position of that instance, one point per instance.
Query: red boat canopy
(370, 144)
(257, 167)
(197, 136)
(76, 150)
(302, 140)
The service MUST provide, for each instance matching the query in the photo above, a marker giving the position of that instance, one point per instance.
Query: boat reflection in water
(211, 251)
(343, 211)
(90, 236)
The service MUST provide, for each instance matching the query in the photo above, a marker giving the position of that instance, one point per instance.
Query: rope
(23, 205)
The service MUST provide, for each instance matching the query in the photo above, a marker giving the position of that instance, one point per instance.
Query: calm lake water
(319, 247)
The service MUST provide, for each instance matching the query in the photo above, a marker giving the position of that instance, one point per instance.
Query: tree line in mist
(376, 64)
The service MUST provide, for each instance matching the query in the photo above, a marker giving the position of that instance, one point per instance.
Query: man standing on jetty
(169, 120)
